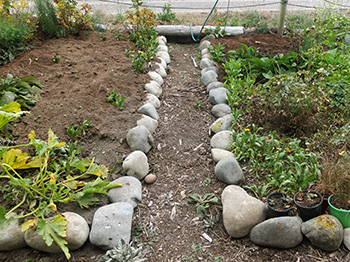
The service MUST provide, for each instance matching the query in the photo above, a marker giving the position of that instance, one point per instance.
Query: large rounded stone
(164, 55)
(162, 38)
(160, 69)
(218, 96)
(222, 140)
(148, 122)
(12, 237)
(149, 110)
(347, 237)
(214, 85)
(222, 124)
(136, 165)
(203, 45)
(151, 98)
(324, 232)
(221, 110)
(219, 154)
(162, 48)
(156, 77)
(153, 88)
(206, 62)
(77, 232)
(139, 138)
(279, 232)
(111, 224)
(212, 68)
(130, 192)
(205, 51)
(228, 171)
(241, 212)
(209, 77)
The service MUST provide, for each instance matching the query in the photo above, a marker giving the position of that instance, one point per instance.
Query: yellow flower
(342, 153)
(52, 179)
(28, 21)
(54, 207)
(246, 129)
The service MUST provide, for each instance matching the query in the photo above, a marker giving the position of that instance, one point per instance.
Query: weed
(167, 14)
(74, 131)
(123, 252)
(217, 53)
(56, 58)
(116, 100)
(102, 36)
(117, 35)
(199, 105)
(47, 18)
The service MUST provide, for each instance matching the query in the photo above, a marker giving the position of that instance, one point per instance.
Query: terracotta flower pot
(309, 204)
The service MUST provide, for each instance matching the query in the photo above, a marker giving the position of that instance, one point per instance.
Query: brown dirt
(164, 224)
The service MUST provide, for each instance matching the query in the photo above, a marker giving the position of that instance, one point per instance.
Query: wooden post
(283, 8)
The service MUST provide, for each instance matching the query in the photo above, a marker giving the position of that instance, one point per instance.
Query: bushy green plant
(116, 99)
(217, 53)
(167, 15)
(47, 18)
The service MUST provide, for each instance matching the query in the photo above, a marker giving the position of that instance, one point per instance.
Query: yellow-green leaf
(29, 224)
(20, 160)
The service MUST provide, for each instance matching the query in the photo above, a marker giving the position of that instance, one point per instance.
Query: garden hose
(200, 32)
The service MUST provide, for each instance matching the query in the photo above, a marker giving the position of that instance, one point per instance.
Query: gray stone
(161, 42)
(206, 56)
(218, 96)
(160, 69)
(77, 232)
(153, 88)
(221, 124)
(324, 232)
(220, 110)
(205, 51)
(221, 140)
(111, 224)
(206, 62)
(210, 37)
(136, 165)
(130, 192)
(279, 232)
(214, 85)
(228, 171)
(151, 98)
(163, 38)
(139, 138)
(203, 45)
(212, 68)
(209, 77)
(156, 77)
(219, 154)
(148, 122)
(241, 212)
(149, 110)
(347, 238)
(12, 237)
(164, 55)
(162, 48)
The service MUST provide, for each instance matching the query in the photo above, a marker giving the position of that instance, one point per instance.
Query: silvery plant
(124, 252)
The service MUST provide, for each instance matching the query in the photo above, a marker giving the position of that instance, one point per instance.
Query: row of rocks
(111, 223)
(246, 215)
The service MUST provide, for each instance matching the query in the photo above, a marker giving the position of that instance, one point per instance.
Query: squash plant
(37, 183)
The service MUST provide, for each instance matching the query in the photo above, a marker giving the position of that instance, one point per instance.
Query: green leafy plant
(167, 15)
(10, 112)
(217, 53)
(73, 131)
(23, 91)
(56, 58)
(116, 100)
(53, 175)
(123, 252)
(102, 36)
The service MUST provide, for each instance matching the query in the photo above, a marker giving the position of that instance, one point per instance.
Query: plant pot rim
(308, 207)
(315, 184)
(277, 193)
(338, 209)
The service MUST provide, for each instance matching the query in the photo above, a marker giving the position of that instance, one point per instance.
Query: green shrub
(48, 19)
(167, 14)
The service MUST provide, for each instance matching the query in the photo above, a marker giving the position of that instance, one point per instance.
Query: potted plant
(278, 204)
(309, 204)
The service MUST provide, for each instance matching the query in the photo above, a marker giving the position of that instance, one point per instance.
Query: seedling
(73, 132)
(102, 36)
(116, 100)
(85, 125)
(56, 58)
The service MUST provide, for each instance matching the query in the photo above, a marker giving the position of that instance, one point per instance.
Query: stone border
(245, 215)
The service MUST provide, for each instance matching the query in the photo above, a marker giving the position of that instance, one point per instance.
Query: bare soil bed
(166, 226)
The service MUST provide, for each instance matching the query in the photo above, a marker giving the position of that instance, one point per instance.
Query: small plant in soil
(56, 58)
(74, 131)
(37, 184)
(307, 198)
(124, 252)
(167, 15)
(116, 100)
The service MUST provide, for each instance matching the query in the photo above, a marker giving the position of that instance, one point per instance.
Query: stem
(17, 206)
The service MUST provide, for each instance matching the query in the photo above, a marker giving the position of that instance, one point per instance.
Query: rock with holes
(215, 85)
(153, 88)
(77, 232)
(221, 140)
(148, 122)
(151, 98)
(218, 96)
(111, 224)
(130, 191)
(220, 110)
(221, 124)
(209, 77)
(136, 165)
(280, 232)
(203, 45)
(164, 55)
(139, 138)
(228, 171)
(219, 154)
(149, 110)
(206, 62)
(324, 232)
(156, 77)
(241, 212)
(12, 237)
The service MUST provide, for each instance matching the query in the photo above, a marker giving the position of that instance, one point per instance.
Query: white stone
(218, 95)
(209, 77)
(163, 38)
(220, 110)
(206, 62)
(162, 48)
(130, 192)
(12, 237)
(153, 99)
(222, 140)
(164, 55)
(219, 154)
(228, 171)
(347, 237)
(150, 123)
(153, 88)
(149, 110)
(203, 45)
(139, 138)
(160, 70)
(221, 124)
(136, 165)
(156, 77)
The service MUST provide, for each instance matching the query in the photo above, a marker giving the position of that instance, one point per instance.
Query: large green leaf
(20, 160)
(7, 98)
(54, 231)
(4, 222)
